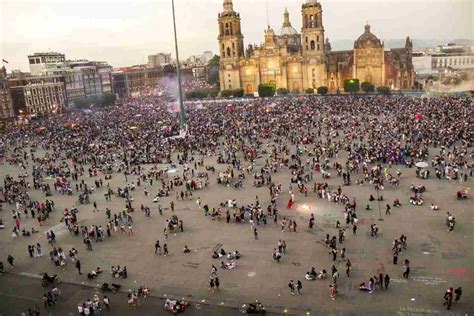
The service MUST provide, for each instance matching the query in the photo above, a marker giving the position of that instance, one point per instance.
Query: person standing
(458, 293)
(165, 249)
(354, 229)
(172, 206)
(157, 247)
(10, 260)
(291, 285)
(211, 285)
(78, 266)
(299, 287)
(406, 268)
(216, 283)
(386, 281)
(348, 267)
(106, 301)
(395, 256)
(255, 233)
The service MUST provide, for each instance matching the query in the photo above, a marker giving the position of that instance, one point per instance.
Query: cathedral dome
(287, 29)
(367, 39)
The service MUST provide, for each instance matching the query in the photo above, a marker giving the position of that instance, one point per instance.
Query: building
(38, 62)
(136, 81)
(297, 61)
(6, 109)
(159, 60)
(83, 78)
(34, 95)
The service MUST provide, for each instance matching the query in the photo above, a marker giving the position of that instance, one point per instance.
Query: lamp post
(378, 202)
(182, 114)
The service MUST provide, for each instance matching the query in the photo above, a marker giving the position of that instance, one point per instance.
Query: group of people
(346, 139)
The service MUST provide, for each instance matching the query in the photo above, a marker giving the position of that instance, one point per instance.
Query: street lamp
(182, 115)
(378, 202)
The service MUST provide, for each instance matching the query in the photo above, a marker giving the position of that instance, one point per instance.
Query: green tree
(108, 99)
(383, 90)
(213, 70)
(238, 93)
(82, 103)
(266, 90)
(367, 87)
(226, 93)
(351, 85)
(213, 92)
(309, 90)
(282, 91)
(322, 90)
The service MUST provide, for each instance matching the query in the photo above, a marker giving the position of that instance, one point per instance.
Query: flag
(5, 61)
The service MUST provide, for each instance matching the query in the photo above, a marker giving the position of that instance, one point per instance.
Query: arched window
(223, 50)
(228, 52)
(312, 45)
(311, 21)
(227, 31)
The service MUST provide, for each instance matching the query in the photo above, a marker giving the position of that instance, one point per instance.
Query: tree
(82, 103)
(322, 90)
(351, 85)
(213, 70)
(238, 93)
(282, 91)
(226, 93)
(213, 92)
(383, 90)
(367, 87)
(266, 90)
(309, 90)
(108, 99)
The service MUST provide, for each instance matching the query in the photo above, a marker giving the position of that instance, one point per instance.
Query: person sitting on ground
(309, 277)
(364, 287)
(397, 203)
(215, 255)
(371, 198)
(186, 249)
(222, 252)
(367, 208)
(233, 255)
(434, 207)
(322, 274)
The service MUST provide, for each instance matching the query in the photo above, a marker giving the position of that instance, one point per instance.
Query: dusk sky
(125, 32)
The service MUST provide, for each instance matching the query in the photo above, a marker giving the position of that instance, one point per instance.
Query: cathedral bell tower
(312, 45)
(231, 46)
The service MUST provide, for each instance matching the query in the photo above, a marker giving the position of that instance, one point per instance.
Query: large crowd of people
(363, 141)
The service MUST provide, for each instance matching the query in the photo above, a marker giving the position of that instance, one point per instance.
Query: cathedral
(297, 61)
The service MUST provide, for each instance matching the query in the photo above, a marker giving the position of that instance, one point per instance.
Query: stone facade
(299, 61)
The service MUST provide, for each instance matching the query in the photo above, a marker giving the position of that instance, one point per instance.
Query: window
(317, 38)
(306, 40)
(318, 46)
(312, 45)
(32, 61)
(228, 52)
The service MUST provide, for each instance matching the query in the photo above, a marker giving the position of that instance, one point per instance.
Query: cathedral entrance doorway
(248, 89)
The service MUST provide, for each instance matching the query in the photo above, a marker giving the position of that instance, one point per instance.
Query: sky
(125, 32)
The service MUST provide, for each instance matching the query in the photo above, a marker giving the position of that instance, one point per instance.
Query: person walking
(211, 285)
(387, 211)
(448, 298)
(172, 206)
(165, 249)
(354, 229)
(78, 266)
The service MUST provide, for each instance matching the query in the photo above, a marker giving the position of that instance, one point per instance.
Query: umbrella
(418, 116)
(421, 164)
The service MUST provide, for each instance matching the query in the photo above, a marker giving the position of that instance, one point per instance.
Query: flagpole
(182, 114)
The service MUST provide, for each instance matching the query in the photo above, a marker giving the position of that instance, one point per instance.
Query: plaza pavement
(438, 259)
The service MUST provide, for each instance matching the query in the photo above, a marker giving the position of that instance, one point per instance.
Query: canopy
(422, 164)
